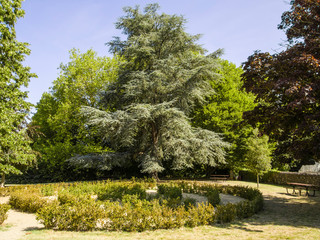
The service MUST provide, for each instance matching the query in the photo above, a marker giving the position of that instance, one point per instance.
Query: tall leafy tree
(63, 131)
(15, 150)
(164, 75)
(287, 85)
(224, 109)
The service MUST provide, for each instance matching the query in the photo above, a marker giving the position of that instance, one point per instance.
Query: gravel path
(18, 223)
(224, 198)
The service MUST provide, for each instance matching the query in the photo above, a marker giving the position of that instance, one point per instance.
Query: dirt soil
(18, 223)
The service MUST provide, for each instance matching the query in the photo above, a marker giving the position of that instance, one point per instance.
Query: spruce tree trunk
(3, 179)
(155, 176)
(257, 180)
(155, 139)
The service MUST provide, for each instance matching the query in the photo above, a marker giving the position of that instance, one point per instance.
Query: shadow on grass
(33, 229)
(282, 209)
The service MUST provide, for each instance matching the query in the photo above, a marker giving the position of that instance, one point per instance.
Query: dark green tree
(164, 75)
(63, 131)
(15, 150)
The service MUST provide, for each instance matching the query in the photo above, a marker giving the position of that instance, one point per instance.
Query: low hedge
(4, 208)
(124, 206)
(229, 212)
(27, 202)
(132, 214)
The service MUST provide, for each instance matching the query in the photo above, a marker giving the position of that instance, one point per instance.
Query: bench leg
(293, 190)
(308, 194)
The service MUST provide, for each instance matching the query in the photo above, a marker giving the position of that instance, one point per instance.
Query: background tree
(224, 109)
(15, 150)
(258, 155)
(164, 75)
(287, 85)
(63, 130)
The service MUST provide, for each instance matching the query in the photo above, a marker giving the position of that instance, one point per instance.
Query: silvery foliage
(165, 74)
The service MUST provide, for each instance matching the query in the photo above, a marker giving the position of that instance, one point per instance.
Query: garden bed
(126, 206)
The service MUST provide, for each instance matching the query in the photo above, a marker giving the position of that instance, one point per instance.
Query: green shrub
(170, 202)
(170, 191)
(65, 197)
(49, 214)
(244, 209)
(4, 191)
(226, 213)
(189, 202)
(252, 205)
(4, 208)
(125, 207)
(202, 214)
(138, 190)
(80, 216)
(47, 190)
(142, 215)
(26, 202)
(172, 218)
(116, 191)
(213, 196)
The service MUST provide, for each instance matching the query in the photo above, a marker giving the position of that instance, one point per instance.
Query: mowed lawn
(284, 217)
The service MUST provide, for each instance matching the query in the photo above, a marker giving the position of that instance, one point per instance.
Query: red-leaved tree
(287, 85)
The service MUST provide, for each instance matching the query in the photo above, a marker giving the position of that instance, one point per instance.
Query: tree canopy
(224, 109)
(258, 155)
(164, 75)
(15, 150)
(63, 131)
(288, 87)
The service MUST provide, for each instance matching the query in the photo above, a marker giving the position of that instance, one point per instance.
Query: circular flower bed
(126, 206)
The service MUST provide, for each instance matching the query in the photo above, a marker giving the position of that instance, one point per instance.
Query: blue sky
(53, 27)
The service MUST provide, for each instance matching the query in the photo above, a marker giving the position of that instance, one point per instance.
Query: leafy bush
(226, 213)
(189, 202)
(202, 214)
(49, 214)
(79, 216)
(125, 207)
(66, 197)
(47, 190)
(4, 191)
(117, 190)
(141, 215)
(4, 208)
(172, 192)
(26, 202)
(244, 209)
(213, 196)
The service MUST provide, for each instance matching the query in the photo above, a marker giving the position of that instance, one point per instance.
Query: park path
(18, 223)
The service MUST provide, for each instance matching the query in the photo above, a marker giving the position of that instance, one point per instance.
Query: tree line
(162, 105)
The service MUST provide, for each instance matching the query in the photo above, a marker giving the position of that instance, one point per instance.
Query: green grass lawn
(284, 217)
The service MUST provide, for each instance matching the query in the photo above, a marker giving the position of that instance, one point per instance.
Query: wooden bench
(302, 186)
(219, 177)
